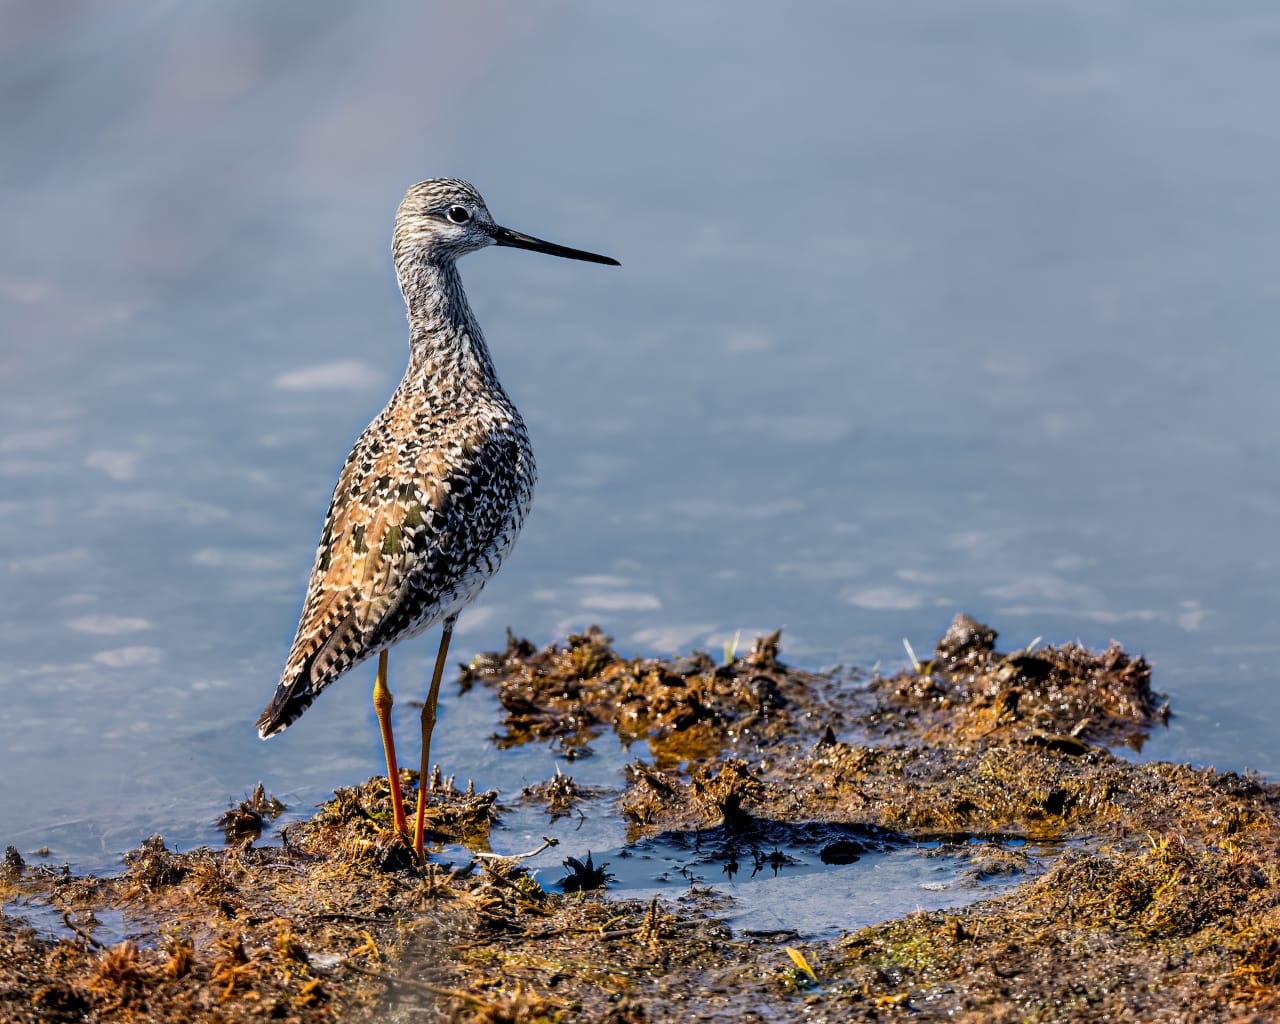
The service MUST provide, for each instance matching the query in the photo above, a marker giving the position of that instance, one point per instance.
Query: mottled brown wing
(408, 533)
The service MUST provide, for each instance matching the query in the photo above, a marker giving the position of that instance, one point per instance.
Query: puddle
(104, 925)
(807, 880)
(837, 881)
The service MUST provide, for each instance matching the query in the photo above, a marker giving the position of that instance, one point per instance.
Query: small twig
(66, 919)
(915, 662)
(422, 986)
(370, 946)
(621, 933)
(547, 843)
(617, 933)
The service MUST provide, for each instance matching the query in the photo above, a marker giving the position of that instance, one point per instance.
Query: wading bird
(434, 492)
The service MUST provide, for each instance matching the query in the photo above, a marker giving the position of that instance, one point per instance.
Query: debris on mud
(296, 932)
(687, 709)
(1165, 902)
(1065, 695)
(560, 795)
(584, 876)
(244, 822)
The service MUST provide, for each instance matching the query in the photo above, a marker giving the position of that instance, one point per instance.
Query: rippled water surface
(923, 308)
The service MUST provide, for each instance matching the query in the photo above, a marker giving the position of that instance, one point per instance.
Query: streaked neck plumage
(444, 338)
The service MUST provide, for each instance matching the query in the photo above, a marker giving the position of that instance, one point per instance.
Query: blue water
(923, 308)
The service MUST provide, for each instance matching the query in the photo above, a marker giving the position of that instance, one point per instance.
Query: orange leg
(382, 701)
(428, 725)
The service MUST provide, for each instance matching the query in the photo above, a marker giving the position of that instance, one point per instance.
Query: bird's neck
(445, 342)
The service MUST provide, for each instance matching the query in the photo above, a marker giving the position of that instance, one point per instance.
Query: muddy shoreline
(1164, 902)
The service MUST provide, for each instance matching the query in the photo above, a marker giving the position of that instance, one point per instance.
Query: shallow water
(783, 880)
(920, 310)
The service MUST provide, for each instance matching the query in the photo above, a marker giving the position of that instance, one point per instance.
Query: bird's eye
(458, 214)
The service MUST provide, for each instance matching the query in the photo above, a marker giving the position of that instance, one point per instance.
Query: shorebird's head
(441, 219)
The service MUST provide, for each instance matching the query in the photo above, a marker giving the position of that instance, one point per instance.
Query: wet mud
(1162, 900)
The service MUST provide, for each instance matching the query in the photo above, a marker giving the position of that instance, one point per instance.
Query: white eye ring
(458, 214)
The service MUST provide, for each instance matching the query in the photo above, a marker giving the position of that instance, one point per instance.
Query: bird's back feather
(425, 510)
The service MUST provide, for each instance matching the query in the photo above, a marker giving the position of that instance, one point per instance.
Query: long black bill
(518, 240)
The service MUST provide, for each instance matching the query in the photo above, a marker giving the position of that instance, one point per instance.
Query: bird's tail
(316, 660)
(292, 697)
